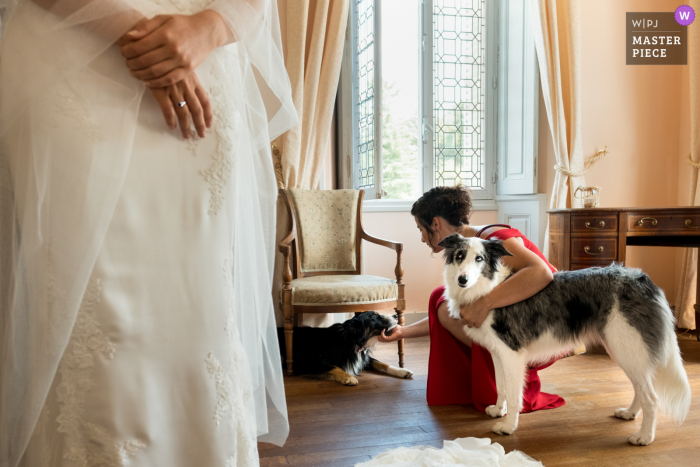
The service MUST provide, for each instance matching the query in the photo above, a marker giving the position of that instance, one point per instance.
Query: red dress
(459, 374)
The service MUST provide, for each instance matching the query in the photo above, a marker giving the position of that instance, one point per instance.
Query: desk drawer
(591, 223)
(593, 249)
(650, 222)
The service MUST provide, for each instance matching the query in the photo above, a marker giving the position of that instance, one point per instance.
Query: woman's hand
(197, 105)
(396, 333)
(473, 315)
(165, 48)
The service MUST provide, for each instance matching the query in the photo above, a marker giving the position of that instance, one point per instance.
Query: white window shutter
(518, 100)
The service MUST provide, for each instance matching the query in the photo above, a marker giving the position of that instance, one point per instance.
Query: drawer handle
(688, 222)
(601, 224)
(588, 250)
(640, 222)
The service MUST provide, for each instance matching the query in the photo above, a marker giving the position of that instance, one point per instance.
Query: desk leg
(697, 298)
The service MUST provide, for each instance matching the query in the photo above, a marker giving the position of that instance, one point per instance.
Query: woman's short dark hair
(452, 203)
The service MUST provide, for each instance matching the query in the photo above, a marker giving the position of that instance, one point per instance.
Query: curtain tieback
(695, 165)
(587, 165)
(278, 165)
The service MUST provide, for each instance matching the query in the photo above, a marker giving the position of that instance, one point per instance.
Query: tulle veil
(53, 220)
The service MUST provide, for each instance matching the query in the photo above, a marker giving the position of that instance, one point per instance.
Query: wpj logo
(684, 15)
(642, 23)
(658, 38)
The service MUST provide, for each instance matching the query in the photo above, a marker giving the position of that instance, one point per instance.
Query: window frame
(348, 163)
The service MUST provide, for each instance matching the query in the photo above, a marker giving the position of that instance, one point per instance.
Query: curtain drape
(685, 298)
(557, 40)
(315, 38)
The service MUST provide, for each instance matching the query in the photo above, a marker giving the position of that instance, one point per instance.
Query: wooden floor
(334, 425)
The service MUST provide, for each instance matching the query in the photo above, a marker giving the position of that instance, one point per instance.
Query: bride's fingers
(156, 71)
(166, 106)
(147, 43)
(175, 76)
(203, 97)
(146, 26)
(148, 59)
(195, 108)
(183, 114)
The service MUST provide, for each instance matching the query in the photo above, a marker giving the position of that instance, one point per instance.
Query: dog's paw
(641, 439)
(625, 414)
(503, 428)
(399, 372)
(350, 381)
(495, 412)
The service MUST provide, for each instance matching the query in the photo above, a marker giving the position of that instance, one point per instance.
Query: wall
(639, 112)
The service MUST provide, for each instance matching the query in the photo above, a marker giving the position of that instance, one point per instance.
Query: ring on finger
(181, 104)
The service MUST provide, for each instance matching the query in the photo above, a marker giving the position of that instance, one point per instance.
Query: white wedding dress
(146, 263)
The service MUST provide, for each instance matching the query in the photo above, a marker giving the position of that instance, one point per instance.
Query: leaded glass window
(458, 76)
(419, 96)
(365, 92)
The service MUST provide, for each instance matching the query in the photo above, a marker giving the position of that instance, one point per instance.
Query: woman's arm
(418, 329)
(531, 275)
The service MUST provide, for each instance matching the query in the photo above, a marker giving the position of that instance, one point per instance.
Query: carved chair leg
(288, 337)
(400, 342)
(288, 341)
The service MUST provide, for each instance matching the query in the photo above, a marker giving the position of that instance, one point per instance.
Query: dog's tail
(670, 379)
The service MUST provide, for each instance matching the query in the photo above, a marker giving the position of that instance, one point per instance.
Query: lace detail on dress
(224, 388)
(86, 443)
(69, 104)
(224, 127)
(234, 387)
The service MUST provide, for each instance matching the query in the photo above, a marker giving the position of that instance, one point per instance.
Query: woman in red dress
(460, 371)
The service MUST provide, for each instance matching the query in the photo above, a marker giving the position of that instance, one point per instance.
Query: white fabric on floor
(464, 452)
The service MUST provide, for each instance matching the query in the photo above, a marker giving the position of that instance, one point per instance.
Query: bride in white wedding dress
(135, 265)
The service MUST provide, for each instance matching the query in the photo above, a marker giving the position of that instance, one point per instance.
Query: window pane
(401, 93)
(458, 74)
(365, 92)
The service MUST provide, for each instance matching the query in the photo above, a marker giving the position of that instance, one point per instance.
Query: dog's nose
(462, 280)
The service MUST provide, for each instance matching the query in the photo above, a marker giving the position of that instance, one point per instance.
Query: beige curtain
(685, 313)
(557, 34)
(315, 35)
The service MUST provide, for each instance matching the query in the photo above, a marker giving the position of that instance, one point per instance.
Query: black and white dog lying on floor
(616, 306)
(343, 350)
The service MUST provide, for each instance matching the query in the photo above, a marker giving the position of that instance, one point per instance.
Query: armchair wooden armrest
(285, 245)
(397, 246)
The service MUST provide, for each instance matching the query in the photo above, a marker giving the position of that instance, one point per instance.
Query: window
(415, 79)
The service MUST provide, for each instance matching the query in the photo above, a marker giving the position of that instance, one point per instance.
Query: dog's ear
(495, 248)
(451, 241)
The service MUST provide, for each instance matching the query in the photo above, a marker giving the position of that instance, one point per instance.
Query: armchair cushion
(343, 290)
(326, 228)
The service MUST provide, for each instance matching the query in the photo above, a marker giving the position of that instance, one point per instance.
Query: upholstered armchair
(323, 261)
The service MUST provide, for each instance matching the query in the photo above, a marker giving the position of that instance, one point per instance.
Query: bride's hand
(197, 105)
(165, 48)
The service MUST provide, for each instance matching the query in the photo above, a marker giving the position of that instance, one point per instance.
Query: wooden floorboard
(337, 426)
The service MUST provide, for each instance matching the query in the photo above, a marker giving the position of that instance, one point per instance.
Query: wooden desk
(581, 238)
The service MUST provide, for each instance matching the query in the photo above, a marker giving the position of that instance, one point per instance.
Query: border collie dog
(343, 350)
(616, 306)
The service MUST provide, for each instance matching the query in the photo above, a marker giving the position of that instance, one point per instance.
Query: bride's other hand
(197, 105)
(165, 48)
